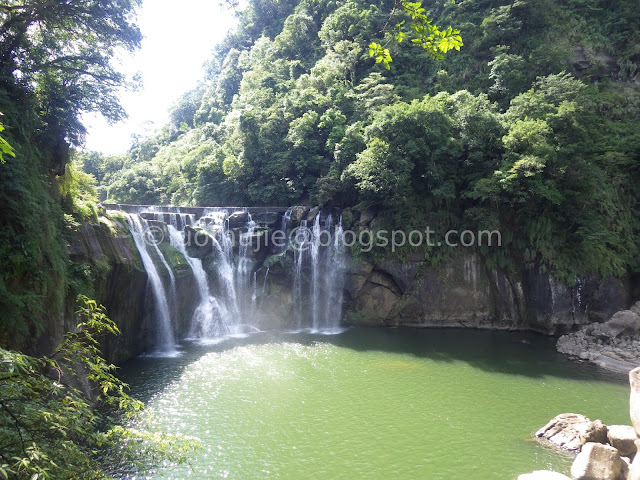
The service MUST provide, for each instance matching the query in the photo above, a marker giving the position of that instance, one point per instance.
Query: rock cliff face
(118, 282)
(464, 292)
(461, 292)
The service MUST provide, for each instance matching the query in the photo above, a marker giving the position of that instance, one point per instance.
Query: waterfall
(245, 267)
(165, 341)
(207, 320)
(316, 239)
(335, 267)
(226, 299)
(299, 253)
(231, 277)
(323, 252)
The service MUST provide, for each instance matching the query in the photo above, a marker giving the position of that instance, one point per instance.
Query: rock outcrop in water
(605, 453)
(614, 345)
(570, 431)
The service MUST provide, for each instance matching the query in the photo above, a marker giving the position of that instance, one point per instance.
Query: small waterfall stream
(165, 340)
(235, 292)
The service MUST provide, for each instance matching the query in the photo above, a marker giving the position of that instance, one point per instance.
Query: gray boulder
(597, 462)
(622, 437)
(570, 431)
(366, 216)
(625, 322)
(543, 475)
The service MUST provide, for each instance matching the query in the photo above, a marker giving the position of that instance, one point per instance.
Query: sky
(178, 39)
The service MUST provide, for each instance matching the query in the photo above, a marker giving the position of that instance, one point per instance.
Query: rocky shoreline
(603, 452)
(613, 345)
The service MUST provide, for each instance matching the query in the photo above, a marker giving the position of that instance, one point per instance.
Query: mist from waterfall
(232, 280)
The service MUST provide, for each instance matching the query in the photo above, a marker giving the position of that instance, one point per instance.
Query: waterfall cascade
(165, 339)
(231, 258)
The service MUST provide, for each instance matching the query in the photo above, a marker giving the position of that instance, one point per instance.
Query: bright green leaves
(381, 54)
(422, 32)
(5, 148)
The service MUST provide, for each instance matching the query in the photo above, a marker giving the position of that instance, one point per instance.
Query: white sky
(178, 39)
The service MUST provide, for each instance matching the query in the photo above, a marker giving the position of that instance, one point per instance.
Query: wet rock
(267, 219)
(543, 475)
(570, 431)
(298, 213)
(238, 219)
(597, 462)
(312, 214)
(198, 242)
(623, 438)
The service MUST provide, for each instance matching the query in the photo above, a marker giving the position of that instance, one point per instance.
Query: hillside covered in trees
(532, 128)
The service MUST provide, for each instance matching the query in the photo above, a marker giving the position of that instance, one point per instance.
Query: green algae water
(372, 403)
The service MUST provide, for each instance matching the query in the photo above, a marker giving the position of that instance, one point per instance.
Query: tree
(60, 51)
(60, 412)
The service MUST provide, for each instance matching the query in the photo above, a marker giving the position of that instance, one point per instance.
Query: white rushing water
(231, 286)
(165, 340)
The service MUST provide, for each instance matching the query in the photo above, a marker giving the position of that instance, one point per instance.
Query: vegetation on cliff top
(531, 129)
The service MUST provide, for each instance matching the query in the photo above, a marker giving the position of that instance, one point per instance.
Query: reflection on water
(372, 403)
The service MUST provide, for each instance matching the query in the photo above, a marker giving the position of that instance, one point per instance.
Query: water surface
(372, 403)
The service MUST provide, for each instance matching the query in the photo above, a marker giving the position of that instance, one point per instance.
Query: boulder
(625, 472)
(623, 438)
(634, 399)
(198, 242)
(311, 216)
(570, 431)
(267, 219)
(366, 216)
(634, 469)
(298, 213)
(635, 308)
(625, 322)
(543, 475)
(597, 462)
(238, 219)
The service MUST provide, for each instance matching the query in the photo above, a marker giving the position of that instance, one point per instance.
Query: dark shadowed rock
(366, 216)
(238, 219)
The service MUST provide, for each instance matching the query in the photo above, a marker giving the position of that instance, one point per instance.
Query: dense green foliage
(60, 412)
(55, 63)
(530, 129)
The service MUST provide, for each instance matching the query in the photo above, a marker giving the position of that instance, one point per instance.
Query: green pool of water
(372, 404)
